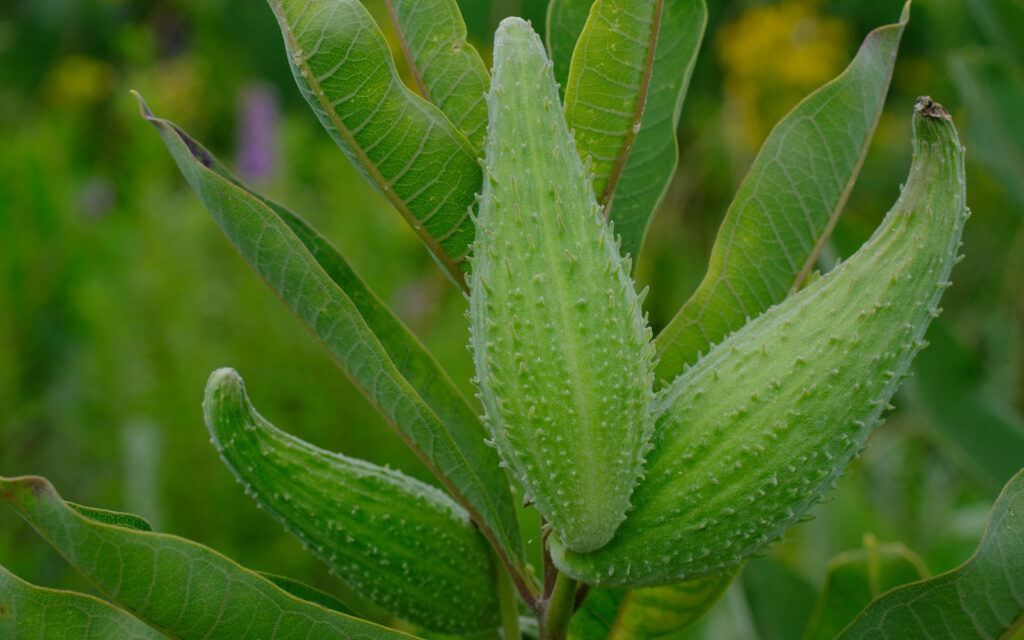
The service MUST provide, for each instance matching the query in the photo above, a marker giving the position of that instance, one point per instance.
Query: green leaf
(596, 616)
(402, 144)
(991, 87)
(787, 205)
(855, 578)
(182, 588)
(116, 518)
(948, 376)
(402, 544)
(448, 71)
(653, 154)
(378, 353)
(982, 598)
(28, 611)
(562, 29)
(609, 76)
(303, 591)
(779, 600)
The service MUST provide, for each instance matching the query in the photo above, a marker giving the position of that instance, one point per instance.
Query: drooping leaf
(985, 432)
(303, 591)
(755, 433)
(786, 206)
(560, 344)
(991, 87)
(982, 598)
(855, 578)
(180, 587)
(402, 544)
(448, 71)
(779, 600)
(609, 76)
(402, 144)
(28, 611)
(378, 353)
(116, 518)
(653, 154)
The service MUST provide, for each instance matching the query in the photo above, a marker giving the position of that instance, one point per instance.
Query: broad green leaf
(787, 205)
(402, 144)
(27, 611)
(982, 598)
(779, 600)
(596, 616)
(986, 431)
(609, 76)
(449, 72)
(652, 158)
(402, 544)
(855, 578)
(180, 587)
(378, 353)
(991, 87)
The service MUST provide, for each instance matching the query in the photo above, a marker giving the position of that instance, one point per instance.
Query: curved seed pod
(757, 430)
(406, 546)
(562, 351)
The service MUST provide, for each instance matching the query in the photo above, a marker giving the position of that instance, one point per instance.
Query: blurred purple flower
(257, 139)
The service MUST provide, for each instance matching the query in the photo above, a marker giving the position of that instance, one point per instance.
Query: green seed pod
(404, 545)
(758, 430)
(563, 353)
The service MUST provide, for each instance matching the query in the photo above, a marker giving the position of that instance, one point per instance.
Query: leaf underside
(180, 587)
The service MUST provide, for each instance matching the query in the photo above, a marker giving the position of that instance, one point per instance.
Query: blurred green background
(118, 294)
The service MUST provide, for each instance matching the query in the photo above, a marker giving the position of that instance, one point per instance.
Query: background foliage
(118, 295)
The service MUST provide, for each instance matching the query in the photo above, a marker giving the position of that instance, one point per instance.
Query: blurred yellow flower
(772, 56)
(79, 81)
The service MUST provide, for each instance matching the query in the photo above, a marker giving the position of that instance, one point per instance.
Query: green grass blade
(404, 545)
(180, 587)
(982, 598)
(787, 204)
(448, 71)
(28, 611)
(402, 144)
(379, 354)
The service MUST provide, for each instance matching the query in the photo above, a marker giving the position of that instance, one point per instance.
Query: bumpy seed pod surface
(561, 347)
(758, 429)
(405, 545)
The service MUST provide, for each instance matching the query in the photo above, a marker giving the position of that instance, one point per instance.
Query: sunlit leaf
(27, 611)
(402, 144)
(982, 598)
(379, 354)
(787, 205)
(448, 71)
(654, 152)
(857, 577)
(180, 587)
(402, 544)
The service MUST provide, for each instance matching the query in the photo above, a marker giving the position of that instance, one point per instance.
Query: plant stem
(555, 620)
(508, 609)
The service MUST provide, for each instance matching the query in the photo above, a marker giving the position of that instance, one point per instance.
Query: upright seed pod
(563, 353)
(756, 432)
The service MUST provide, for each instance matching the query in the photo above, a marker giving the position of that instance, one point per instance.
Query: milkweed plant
(658, 463)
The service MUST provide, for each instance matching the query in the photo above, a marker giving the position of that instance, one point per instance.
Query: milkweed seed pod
(563, 354)
(404, 545)
(759, 428)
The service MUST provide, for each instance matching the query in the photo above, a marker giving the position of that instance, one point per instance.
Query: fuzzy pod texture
(563, 354)
(404, 545)
(759, 429)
